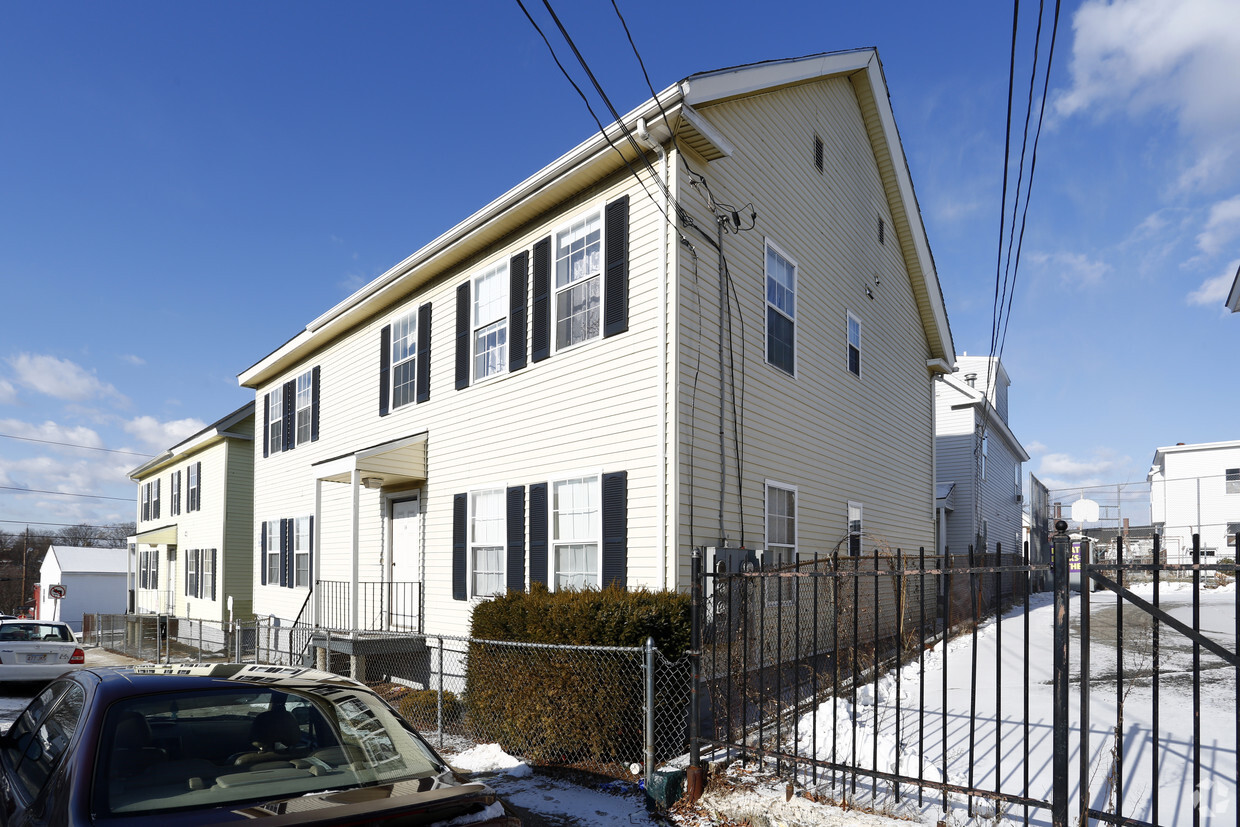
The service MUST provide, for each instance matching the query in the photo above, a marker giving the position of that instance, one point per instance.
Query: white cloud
(1222, 226)
(1182, 57)
(134, 359)
(1034, 448)
(50, 432)
(1074, 269)
(1214, 291)
(157, 435)
(1059, 470)
(8, 393)
(60, 378)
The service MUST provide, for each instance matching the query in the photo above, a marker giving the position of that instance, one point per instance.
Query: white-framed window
(854, 345)
(1232, 484)
(1232, 530)
(404, 358)
(275, 420)
(578, 254)
(486, 542)
(272, 555)
(155, 500)
(985, 452)
(301, 553)
(781, 309)
(148, 569)
(781, 534)
(192, 558)
(206, 575)
(576, 531)
(855, 529)
(174, 507)
(490, 321)
(1020, 482)
(146, 501)
(304, 406)
(194, 483)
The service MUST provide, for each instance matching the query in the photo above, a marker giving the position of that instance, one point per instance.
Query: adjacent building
(76, 581)
(192, 556)
(980, 461)
(1195, 489)
(716, 325)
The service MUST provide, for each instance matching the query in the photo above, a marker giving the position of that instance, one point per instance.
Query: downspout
(643, 135)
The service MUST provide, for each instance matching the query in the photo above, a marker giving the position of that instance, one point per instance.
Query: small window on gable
(854, 345)
(490, 321)
(404, 358)
(781, 291)
(818, 153)
(578, 281)
(1233, 481)
(882, 230)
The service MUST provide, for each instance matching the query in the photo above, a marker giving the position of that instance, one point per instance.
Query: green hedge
(564, 706)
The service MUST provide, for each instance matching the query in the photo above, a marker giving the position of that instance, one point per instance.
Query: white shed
(89, 580)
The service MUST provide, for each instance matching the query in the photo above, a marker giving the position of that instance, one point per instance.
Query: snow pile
(490, 758)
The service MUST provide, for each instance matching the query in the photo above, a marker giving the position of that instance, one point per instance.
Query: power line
(63, 493)
(73, 445)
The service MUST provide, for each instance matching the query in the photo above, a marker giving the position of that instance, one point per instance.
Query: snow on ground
(867, 722)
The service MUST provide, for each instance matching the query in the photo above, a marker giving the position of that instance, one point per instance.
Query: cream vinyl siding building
(194, 543)
(608, 366)
(980, 460)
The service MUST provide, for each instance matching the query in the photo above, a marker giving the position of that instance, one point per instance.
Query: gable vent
(818, 152)
(882, 227)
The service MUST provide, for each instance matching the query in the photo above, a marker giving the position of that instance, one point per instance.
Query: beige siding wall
(592, 408)
(834, 436)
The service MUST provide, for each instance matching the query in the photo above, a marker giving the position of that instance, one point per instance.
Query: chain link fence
(594, 708)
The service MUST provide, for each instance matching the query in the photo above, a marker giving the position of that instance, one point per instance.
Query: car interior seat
(276, 737)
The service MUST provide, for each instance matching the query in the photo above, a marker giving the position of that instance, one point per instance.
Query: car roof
(143, 679)
(25, 621)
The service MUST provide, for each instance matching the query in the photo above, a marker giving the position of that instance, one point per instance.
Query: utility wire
(73, 445)
(62, 493)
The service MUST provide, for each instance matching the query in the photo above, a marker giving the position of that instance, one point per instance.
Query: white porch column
(355, 481)
(317, 555)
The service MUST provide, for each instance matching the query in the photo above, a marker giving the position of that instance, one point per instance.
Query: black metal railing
(380, 606)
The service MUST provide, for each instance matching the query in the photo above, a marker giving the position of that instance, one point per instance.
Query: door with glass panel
(405, 582)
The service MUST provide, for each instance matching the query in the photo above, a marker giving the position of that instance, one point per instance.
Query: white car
(37, 650)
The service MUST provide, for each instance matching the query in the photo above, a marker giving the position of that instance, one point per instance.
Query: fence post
(649, 710)
(694, 776)
(1062, 547)
(439, 694)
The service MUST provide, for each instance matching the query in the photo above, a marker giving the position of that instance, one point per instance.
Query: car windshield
(36, 631)
(225, 746)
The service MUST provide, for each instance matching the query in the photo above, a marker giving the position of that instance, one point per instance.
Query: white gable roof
(78, 560)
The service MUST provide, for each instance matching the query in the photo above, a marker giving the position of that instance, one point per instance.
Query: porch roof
(387, 464)
(164, 535)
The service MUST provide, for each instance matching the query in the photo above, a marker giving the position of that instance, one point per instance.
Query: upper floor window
(404, 358)
(145, 490)
(174, 506)
(194, 494)
(578, 281)
(301, 552)
(490, 321)
(1233, 481)
(304, 406)
(275, 420)
(854, 345)
(576, 530)
(486, 542)
(985, 450)
(781, 292)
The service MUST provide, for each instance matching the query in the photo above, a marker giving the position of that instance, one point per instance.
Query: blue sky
(184, 186)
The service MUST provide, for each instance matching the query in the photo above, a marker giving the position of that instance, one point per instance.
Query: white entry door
(405, 581)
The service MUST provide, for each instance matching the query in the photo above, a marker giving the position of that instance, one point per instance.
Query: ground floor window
(486, 541)
(576, 529)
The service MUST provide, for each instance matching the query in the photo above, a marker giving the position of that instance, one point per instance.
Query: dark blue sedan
(221, 744)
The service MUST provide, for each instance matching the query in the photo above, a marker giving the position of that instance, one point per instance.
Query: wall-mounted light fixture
(372, 482)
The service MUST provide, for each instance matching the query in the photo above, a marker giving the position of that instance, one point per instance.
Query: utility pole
(25, 551)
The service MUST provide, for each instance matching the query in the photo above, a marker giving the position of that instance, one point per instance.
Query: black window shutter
(459, 527)
(616, 274)
(262, 556)
(538, 533)
(516, 538)
(518, 292)
(540, 324)
(285, 541)
(215, 575)
(385, 369)
(424, 353)
(314, 404)
(310, 558)
(615, 529)
(290, 406)
(266, 424)
(155, 502)
(199, 475)
(462, 336)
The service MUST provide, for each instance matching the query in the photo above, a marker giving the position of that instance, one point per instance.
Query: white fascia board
(709, 87)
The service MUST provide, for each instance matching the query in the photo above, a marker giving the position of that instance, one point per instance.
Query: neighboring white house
(193, 549)
(719, 330)
(91, 580)
(1195, 489)
(980, 460)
